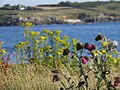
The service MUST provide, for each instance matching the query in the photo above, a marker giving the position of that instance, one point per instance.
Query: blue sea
(86, 33)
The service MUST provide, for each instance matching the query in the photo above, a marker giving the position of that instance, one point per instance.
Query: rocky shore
(11, 21)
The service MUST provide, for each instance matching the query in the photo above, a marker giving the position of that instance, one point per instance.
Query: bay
(11, 35)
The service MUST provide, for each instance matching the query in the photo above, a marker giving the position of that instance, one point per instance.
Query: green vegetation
(89, 8)
(47, 61)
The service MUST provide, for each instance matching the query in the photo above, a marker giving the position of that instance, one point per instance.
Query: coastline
(17, 22)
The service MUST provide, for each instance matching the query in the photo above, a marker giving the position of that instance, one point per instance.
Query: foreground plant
(100, 60)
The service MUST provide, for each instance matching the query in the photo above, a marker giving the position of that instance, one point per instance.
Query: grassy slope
(69, 12)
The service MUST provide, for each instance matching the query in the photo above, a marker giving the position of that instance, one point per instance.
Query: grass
(69, 12)
(39, 77)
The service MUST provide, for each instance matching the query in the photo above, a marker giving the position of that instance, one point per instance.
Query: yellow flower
(113, 60)
(23, 43)
(99, 52)
(94, 53)
(33, 33)
(58, 39)
(36, 41)
(74, 41)
(103, 51)
(42, 37)
(109, 56)
(59, 53)
(50, 33)
(46, 31)
(27, 24)
(65, 37)
(47, 47)
(57, 32)
(1, 43)
(2, 51)
(104, 43)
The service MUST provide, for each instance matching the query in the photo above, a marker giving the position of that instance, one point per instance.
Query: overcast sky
(36, 2)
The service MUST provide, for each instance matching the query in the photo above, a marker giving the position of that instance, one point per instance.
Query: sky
(36, 2)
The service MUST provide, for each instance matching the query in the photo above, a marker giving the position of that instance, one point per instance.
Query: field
(71, 12)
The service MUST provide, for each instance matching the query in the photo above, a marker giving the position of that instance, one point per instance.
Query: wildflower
(104, 43)
(65, 37)
(2, 51)
(74, 41)
(96, 53)
(103, 51)
(57, 32)
(79, 46)
(59, 53)
(58, 39)
(90, 47)
(47, 47)
(66, 52)
(99, 37)
(117, 81)
(36, 41)
(42, 37)
(27, 24)
(113, 60)
(23, 43)
(47, 31)
(108, 56)
(33, 33)
(85, 60)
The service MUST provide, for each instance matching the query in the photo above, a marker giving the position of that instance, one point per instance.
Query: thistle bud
(66, 52)
(85, 60)
(79, 46)
(99, 37)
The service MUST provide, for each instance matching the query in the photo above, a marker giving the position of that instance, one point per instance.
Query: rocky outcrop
(82, 18)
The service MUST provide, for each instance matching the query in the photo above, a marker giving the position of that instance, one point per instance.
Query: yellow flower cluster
(58, 39)
(104, 43)
(59, 52)
(27, 24)
(42, 37)
(2, 51)
(48, 32)
(57, 32)
(33, 33)
(36, 41)
(103, 51)
(20, 44)
(96, 53)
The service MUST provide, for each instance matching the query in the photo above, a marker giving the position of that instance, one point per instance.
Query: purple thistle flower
(90, 47)
(85, 60)
(117, 81)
